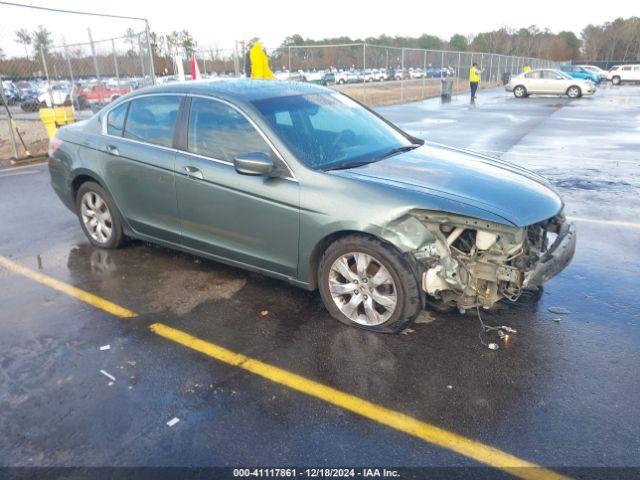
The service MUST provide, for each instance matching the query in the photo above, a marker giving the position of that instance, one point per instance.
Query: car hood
(513, 193)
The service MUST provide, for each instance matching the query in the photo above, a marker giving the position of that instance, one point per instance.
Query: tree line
(618, 40)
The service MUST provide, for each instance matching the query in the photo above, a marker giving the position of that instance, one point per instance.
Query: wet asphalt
(562, 392)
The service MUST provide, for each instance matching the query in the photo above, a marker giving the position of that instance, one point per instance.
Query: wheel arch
(322, 245)
(81, 177)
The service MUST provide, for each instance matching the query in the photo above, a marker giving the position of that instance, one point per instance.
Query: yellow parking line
(430, 433)
(399, 421)
(82, 295)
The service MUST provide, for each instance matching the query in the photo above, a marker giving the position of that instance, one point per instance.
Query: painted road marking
(13, 174)
(391, 418)
(544, 154)
(619, 223)
(32, 165)
(430, 433)
(82, 295)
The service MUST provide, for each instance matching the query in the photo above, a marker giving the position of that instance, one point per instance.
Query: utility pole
(95, 65)
(152, 70)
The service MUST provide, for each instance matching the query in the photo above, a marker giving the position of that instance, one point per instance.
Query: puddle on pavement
(180, 291)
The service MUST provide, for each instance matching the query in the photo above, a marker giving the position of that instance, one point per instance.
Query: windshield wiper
(346, 165)
(393, 151)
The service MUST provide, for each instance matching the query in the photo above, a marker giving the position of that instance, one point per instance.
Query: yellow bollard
(56, 117)
(48, 117)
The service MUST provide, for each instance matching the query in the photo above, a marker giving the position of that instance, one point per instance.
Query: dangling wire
(490, 328)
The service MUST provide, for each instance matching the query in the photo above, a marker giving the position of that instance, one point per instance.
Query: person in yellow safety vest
(259, 62)
(474, 80)
(527, 68)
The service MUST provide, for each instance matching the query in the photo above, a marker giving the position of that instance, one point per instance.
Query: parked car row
(32, 95)
(337, 76)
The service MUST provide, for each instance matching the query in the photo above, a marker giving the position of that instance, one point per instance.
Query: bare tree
(131, 39)
(23, 36)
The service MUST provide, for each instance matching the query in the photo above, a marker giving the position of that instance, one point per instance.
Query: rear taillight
(54, 144)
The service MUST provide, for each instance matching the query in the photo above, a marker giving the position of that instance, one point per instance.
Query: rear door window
(535, 74)
(549, 75)
(152, 119)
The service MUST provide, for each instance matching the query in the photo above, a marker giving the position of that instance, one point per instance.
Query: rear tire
(366, 283)
(520, 91)
(99, 218)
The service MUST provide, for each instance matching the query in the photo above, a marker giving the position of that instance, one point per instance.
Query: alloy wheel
(96, 217)
(362, 288)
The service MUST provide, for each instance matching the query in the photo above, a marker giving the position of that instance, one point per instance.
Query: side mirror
(258, 163)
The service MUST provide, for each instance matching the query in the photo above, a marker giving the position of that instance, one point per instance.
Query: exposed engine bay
(468, 262)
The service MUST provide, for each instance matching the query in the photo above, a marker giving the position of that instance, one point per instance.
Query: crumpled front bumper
(555, 259)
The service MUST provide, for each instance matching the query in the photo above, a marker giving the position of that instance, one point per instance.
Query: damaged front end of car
(467, 262)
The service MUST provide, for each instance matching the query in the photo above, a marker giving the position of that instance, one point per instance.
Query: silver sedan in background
(548, 82)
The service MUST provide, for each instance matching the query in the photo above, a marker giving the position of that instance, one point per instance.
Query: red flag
(195, 70)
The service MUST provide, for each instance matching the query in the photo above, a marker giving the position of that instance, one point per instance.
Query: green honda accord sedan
(304, 184)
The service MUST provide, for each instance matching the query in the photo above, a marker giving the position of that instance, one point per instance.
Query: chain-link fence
(213, 63)
(57, 59)
(379, 75)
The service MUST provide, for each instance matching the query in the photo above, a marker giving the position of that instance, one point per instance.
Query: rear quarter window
(115, 120)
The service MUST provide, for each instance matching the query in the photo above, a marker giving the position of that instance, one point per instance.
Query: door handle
(193, 172)
(112, 150)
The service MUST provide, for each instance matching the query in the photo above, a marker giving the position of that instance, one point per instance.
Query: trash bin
(506, 76)
(446, 88)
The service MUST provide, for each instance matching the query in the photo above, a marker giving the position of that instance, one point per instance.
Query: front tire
(520, 92)
(366, 283)
(616, 80)
(574, 92)
(99, 217)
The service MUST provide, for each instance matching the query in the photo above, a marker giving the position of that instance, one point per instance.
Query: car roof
(243, 90)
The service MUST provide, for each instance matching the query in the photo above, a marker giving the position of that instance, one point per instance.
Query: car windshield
(330, 131)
